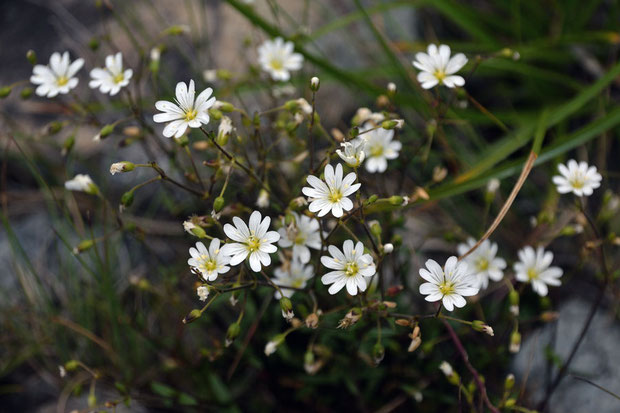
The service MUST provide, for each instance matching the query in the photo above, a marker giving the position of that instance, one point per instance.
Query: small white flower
(209, 263)
(578, 178)
(57, 76)
(277, 58)
(188, 226)
(255, 241)
(203, 293)
(437, 67)
(304, 106)
(533, 267)
(296, 275)
(122, 166)
(482, 262)
(379, 148)
(187, 112)
(351, 265)
(263, 199)
(302, 236)
(353, 152)
(113, 77)
(315, 83)
(449, 285)
(332, 194)
(391, 87)
(271, 347)
(155, 54)
(82, 183)
(388, 248)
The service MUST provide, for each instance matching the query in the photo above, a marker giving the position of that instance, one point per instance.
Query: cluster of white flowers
(58, 77)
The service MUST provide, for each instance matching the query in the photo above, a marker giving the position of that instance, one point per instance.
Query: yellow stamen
(335, 195)
(276, 64)
(118, 78)
(440, 75)
(482, 264)
(191, 115)
(253, 243)
(351, 269)
(376, 150)
(446, 288)
(62, 80)
(532, 274)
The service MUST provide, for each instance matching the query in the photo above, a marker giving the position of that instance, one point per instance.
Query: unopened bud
(68, 145)
(104, 132)
(83, 246)
(515, 342)
(315, 83)
(375, 227)
(372, 199)
(218, 204)
(273, 344)
(287, 308)
(388, 248)
(439, 173)
(392, 124)
(72, 365)
(509, 383)
(192, 316)
(481, 326)
(93, 43)
(391, 88)
(378, 352)
(225, 107)
(54, 127)
(32, 57)
(396, 200)
(233, 332)
(450, 374)
(215, 114)
(415, 343)
(26, 93)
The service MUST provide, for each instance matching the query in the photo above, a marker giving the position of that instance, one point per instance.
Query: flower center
(532, 274)
(577, 182)
(191, 114)
(482, 264)
(276, 64)
(62, 80)
(376, 150)
(253, 243)
(300, 239)
(446, 288)
(335, 195)
(118, 78)
(351, 269)
(208, 264)
(440, 75)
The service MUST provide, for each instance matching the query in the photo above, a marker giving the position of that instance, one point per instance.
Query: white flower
(57, 76)
(351, 265)
(277, 58)
(533, 266)
(203, 293)
(302, 236)
(209, 263)
(295, 276)
(482, 262)
(379, 147)
(188, 226)
(353, 152)
(449, 285)
(186, 112)
(113, 77)
(271, 347)
(364, 114)
(254, 241)
(577, 178)
(438, 68)
(82, 183)
(332, 194)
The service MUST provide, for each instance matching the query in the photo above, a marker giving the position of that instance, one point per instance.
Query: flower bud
(176, 30)
(83, 246)
(32, 57)
(233, 332)
(225, 107)
(192, 316)
(396, 200)
(375, 227)
(439, 173)
(481, 326)
(450, 374)
(392, 124)
(93, 43)
(273, 344)
(26, 93)
(287, 308)
(263, 199)
(104, 132)
(215, 114)
(388, 248)
(372, 199)
(515, 342)
(378, 352)
(123, 166)
(391, 88)
(127, 199)
(72, 365)
(509, 383)
(354, 132)
(67, 145)
(415, 343)
(54, 127)
(218, 204)
(350, 318)
(397, 240)
(315, 83)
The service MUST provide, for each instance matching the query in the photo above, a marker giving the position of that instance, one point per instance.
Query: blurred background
(535, 67)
